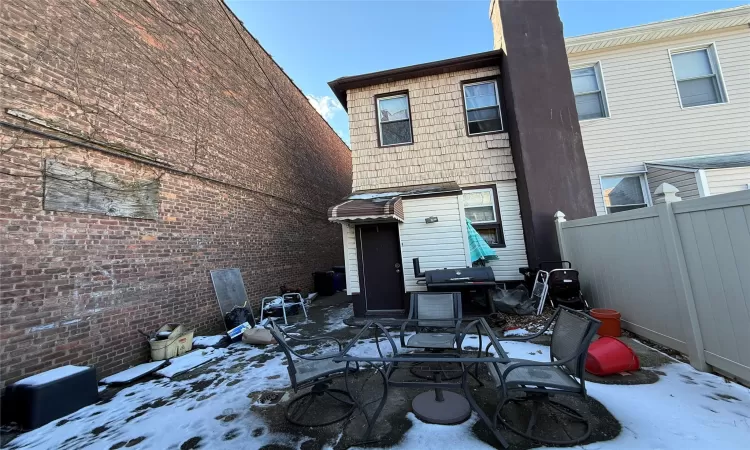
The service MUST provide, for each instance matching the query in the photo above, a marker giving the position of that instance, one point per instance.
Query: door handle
(398, 271)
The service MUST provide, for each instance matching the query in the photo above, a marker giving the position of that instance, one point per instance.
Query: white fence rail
(678, 272)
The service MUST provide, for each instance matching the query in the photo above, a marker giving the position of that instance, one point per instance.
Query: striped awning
(360, 209)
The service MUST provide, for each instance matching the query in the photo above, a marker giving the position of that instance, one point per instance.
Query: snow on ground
(190, 360)
(207, 341)
(164, 413)
(335, 318)
(685, 409)
(128, 375)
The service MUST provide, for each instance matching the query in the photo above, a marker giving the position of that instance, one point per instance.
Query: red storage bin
(608, 356)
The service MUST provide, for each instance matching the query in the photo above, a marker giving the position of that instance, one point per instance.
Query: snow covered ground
(216, 407)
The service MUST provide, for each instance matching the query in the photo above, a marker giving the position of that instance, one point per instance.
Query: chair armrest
(403, 331)
(461, 335)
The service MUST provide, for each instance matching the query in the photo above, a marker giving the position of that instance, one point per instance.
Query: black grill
(464, 280)
(467, 277)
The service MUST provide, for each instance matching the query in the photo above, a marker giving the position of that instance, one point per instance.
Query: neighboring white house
(652, 98)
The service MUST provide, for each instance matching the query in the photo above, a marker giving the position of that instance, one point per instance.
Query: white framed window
(624, 192)
(394, 120)
(588, 87)
(698, 76)
(482, 209)
(482, 102)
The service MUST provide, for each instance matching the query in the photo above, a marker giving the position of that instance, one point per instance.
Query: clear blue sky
(318, 41)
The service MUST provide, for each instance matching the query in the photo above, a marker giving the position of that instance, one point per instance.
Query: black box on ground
(44, 397)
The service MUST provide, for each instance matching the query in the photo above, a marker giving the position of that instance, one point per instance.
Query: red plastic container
(608, 356)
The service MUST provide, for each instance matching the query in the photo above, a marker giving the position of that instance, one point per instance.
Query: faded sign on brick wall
(85, 190)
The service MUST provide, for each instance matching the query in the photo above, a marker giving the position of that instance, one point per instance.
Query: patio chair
(316, 372)
(433, 306)
(522, 381)
(289, 299)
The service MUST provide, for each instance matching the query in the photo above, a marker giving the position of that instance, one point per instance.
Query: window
(394, 121)
(588, 87)
(698, 78)
(480, 206)
(624, 192)
(482, 107)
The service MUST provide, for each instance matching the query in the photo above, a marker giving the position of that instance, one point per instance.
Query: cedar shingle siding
(174, 93)
(441, 150)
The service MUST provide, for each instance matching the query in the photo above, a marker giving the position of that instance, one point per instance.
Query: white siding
(683, 180)
(722, 181)
(647, 123)
(513, 255)
(350, 259)
(437, 245)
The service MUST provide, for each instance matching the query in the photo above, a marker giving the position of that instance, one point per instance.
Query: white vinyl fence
(678, 272)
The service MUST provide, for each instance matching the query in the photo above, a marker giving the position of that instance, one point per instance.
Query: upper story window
(588, 87)
(482, 107)
(394, 120)
(481, 208)
(624, 192)
(698, 78)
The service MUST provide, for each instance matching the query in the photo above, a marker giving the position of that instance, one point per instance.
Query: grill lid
(466, 275)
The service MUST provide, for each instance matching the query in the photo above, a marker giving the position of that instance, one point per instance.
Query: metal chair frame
(320, 384)
(300, 301)
(539, 392)
(429, 372)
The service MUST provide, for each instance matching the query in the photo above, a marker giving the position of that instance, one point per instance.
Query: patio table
(386, 364)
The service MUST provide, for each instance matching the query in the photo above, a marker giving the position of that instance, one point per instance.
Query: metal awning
(377, 208)
(385, 204)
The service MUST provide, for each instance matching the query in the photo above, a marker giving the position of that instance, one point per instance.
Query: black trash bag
(238, 316)
(514, 301)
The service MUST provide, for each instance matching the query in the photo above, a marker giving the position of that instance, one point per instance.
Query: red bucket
(608, 356)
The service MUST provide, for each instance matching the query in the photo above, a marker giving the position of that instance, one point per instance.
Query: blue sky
(318, 41)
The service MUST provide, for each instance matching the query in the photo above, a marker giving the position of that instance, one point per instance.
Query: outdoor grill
(465, 280)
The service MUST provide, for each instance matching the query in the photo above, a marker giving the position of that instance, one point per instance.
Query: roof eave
(699, 23)
(339, 86)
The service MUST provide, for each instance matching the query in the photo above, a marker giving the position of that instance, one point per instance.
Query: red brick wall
(246, 169)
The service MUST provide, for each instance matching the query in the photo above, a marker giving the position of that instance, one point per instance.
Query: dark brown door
(380, 271)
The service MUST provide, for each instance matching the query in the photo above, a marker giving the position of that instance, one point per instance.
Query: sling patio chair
(524, 383)
(435, 318)
(317, 372)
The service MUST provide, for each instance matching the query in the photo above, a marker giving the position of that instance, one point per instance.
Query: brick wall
(441, 151)
(153, 90)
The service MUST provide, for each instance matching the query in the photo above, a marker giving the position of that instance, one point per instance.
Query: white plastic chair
(296, 299)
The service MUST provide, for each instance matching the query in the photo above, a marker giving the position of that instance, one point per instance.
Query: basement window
(394, 120)
(482, 103)
(482, 209)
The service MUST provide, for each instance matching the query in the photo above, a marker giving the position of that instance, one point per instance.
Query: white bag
(257, 336)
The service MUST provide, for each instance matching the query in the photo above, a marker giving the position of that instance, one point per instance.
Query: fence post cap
(667, 192)
(559, 216)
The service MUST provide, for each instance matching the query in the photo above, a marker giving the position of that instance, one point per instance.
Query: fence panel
(679, 273)
(715, 237)
(623, 264)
